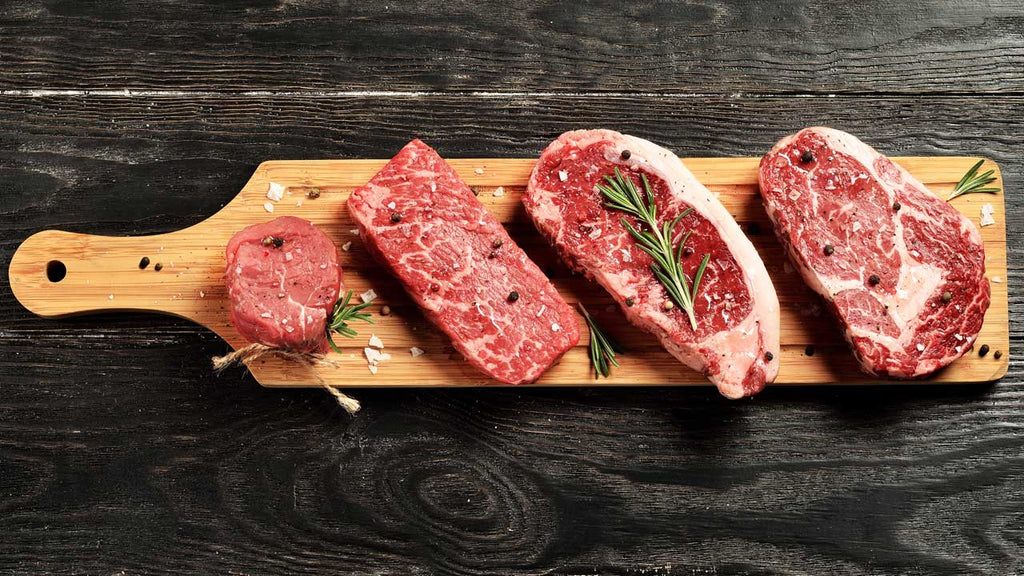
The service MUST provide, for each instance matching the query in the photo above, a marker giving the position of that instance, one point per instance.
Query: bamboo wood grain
(103, 275)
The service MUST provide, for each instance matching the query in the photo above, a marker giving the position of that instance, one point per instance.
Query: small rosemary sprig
(972, 183)
(602, 348)
(621, 194)
(342, 315)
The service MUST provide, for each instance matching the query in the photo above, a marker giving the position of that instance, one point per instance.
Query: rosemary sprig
(621, 194)
(602, 348)
(972, 183)
(342, 315)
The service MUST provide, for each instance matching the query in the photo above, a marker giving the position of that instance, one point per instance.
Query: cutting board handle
(55, 273)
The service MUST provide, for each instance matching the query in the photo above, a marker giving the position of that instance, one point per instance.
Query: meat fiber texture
(461, 267)
(283, 296)
(736, 343)
(895, 247)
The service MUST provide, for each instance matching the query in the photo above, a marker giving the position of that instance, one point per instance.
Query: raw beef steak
(458, 263)
(903, 271)
(736, 343)
(283, 279)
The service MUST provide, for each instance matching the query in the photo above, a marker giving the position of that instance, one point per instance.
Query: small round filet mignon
(283, 279)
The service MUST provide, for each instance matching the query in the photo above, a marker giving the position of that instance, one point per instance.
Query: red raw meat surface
(736, 343)
(460, 266)
(896, 249)
(283, 296)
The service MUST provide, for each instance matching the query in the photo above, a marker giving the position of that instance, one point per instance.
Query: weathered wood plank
(719, 47)
(120, 451)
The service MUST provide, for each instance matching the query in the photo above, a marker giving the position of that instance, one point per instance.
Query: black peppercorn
(874, 280)
(313, 193)
(809, 351)
(947, 296)
(807, 156)
(983, 350)
(144, 263)
(497, 243)
(513, 296)
(267, 240)
(687, 251)
(629, 301)
(896, 206)
(625, 154)
(278, 241)
(158, 267)
(998, 354)
(768, 356)
(829, 249)
(396, 217)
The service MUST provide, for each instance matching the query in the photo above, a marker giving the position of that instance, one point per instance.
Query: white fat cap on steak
(761, 328)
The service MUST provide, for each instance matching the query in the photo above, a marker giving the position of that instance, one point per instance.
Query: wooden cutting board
(103, 275)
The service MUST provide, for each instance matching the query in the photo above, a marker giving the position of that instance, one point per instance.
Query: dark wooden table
(121, 453)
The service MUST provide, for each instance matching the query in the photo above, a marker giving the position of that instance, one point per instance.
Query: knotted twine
(309, 360)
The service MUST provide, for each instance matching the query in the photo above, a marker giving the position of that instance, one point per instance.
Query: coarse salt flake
(563, 175)
(354, 231)
(920, 347)
(986, 215)
(265, 315)
(268, 207)
(368, 296)
(384, 356)
(372, 355)
(346, 246)
(375, 342)
(391, 205)
(416, 352)
(202, 294)
(555, 327)
(288, 256)
(276, 191)
(373, 369)
(499, 191)
(111, 297)
(997, 279)
(479, 171)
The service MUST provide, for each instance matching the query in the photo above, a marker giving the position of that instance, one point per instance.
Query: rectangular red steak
(465, 272)
(736, 341)
(902, 270)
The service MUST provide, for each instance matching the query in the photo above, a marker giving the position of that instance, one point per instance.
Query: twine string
(256, 351)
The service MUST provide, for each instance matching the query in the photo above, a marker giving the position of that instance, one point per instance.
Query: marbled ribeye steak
(903, 271)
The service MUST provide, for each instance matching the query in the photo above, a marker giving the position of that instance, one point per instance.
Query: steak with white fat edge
(736, 342)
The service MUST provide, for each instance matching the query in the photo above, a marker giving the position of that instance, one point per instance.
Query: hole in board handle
(56, 271)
